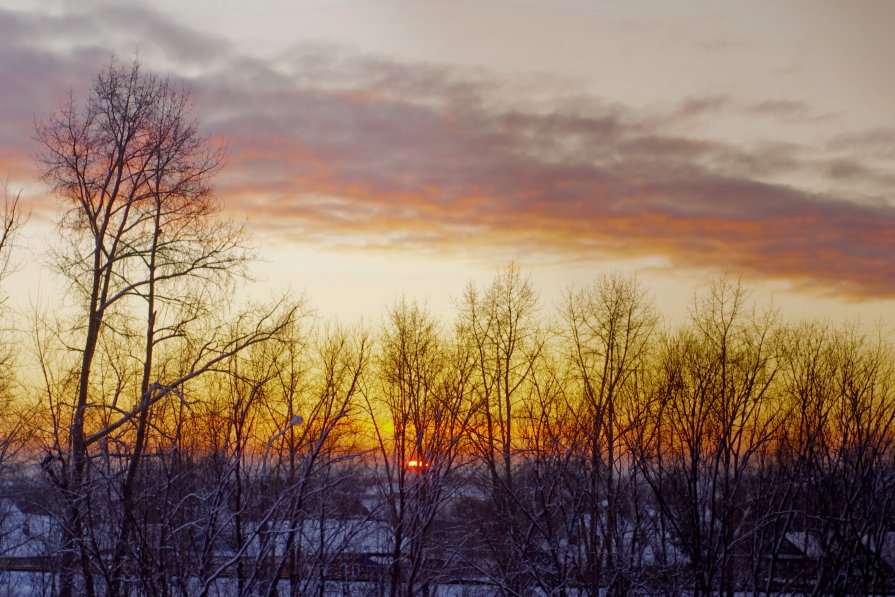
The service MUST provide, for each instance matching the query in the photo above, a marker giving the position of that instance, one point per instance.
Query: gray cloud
(337, 147)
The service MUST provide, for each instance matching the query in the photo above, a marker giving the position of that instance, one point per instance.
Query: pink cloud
(329, 146)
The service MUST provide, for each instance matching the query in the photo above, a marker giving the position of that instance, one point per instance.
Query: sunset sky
(377, 148)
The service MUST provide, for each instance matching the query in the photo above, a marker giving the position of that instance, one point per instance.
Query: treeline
(175, 445)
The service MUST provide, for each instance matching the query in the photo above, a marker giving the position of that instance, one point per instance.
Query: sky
(385, 148)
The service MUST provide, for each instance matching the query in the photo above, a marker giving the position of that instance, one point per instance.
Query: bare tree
(610, 327)
(500, 328)
(17, 417)
(306, 527)
(420, 412)
(837, 457)
(711, 415)
(11, 221)
(139, 223)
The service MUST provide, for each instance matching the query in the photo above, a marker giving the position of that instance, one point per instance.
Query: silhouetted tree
(140, 234)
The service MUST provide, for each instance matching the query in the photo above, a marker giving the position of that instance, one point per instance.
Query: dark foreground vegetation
(159, 442)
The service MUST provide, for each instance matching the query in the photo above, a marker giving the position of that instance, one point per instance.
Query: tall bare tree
(420, 412)
(610, 328)
(499, 324)
(711, 415)
(140, 229)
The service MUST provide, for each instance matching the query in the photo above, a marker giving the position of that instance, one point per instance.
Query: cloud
(330, 146)
(412, 157)
(44, 54)
(787, 110)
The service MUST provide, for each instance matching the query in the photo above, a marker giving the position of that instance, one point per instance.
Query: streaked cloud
(330, 146)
